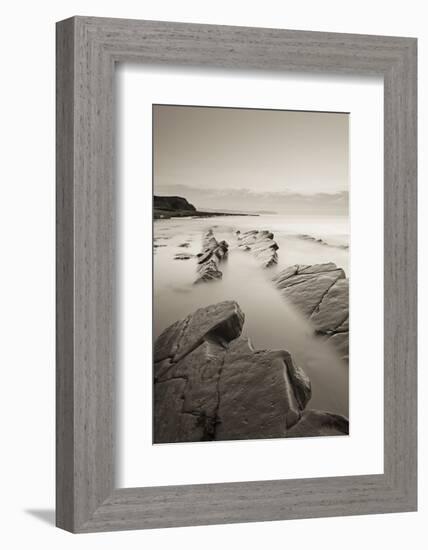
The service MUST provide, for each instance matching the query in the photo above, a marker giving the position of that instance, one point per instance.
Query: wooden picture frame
(87, 50)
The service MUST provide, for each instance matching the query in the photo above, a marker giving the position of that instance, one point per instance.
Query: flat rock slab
(321, 293)
(333, 310)
(210, 384)
(261, 244)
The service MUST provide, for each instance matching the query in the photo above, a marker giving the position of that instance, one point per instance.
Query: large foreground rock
(218, 323)
(321, 292)
(210, 384)
(261, 394)
(261, 244)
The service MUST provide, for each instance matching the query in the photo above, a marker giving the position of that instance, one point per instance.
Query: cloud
(243, 199)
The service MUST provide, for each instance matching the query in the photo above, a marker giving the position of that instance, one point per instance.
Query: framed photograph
(249, 242)
(236, 274)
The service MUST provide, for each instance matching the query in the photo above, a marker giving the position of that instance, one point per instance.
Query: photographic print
(250, 274)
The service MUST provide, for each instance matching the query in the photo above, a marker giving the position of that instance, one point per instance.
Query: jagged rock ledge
(321, 292)
(213, 252)
(210, 384)
(261, 244)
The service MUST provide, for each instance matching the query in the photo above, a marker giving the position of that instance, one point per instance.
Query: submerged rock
(321, 292)
(210, 384)
(213, 252)
(261, 244)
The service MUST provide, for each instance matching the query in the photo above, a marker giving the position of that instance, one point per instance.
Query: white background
(27, 273)
(362, 451)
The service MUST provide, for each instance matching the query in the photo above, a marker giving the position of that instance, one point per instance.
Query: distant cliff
(172, 204)
(175, 207)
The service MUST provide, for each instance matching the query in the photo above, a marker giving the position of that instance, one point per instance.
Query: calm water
(270, 321)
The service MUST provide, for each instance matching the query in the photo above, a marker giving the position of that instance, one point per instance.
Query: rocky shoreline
(319, 291)
(210, 384)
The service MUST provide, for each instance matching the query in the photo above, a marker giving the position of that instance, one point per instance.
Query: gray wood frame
(87, 50)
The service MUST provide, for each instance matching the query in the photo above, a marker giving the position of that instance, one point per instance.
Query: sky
(252, 159)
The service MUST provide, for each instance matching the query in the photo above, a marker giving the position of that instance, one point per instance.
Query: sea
(271, 322)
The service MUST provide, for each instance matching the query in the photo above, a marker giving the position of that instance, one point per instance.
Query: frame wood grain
(87, 50)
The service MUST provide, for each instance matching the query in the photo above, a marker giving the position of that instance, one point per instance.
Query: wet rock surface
(213, 253)
(261, 244)
(321, 293)
(210, 384)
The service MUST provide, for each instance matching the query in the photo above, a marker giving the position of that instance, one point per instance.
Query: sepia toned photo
(250, 274)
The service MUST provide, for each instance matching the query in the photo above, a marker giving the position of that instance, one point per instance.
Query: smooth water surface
(270, 321)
